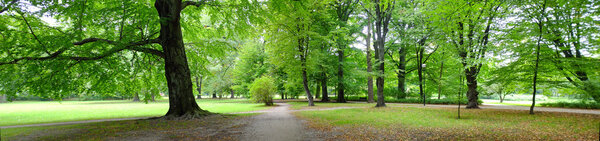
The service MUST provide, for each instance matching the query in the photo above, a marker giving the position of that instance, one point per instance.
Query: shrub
(582, 105)
(263, 90)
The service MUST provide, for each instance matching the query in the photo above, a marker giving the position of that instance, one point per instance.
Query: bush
(582, 105)
(409, 100)
(263, 90)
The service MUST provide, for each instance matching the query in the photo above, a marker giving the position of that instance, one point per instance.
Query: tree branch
(8, 5)
(120, 47)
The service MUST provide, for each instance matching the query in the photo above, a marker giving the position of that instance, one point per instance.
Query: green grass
(505, 123)
(304, 105)
(33, 112)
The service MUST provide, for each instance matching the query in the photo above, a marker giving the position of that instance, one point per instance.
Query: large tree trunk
(382, 19)
(402, 73)
(305, 83)
(472, 93)
(340, 84)
(199, 87)
(177, 72)
(324, 88)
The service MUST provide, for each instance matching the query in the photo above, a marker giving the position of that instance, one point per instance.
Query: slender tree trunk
(177, 72)
(340, 84)
(136, 97)
(302, 50)
(402, 73)
(199, 87)
(3, 98)
(440, 79)
(369, 65)
(232, 94)
(324, 88)
(420, 72)
(502, 97)
(537, 59)
(383, 16)
(318, 90)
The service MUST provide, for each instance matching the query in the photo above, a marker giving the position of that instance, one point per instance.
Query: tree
(73, 48)
(382, 13)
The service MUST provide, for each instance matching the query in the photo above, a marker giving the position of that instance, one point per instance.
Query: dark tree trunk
(214, 95)
(420, 52)
(340, 84)
(136, 97)
(302, 50)
(369, 65)
(199, 87)
(232, 94)
(402, 73)
(440, 79)
(177, 72)
(324, 88)
(537, 58)
(382, 19)
(472, 93)
(152, 96)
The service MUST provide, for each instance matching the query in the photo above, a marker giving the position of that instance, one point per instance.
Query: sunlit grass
(32, 112)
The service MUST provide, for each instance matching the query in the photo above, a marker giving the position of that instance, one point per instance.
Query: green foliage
(263, 89)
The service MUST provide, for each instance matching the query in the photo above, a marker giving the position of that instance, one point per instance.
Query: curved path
(276, 124)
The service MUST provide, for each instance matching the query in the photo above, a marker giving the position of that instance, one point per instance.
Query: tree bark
(440, 79)
(382, 19)
(214, 95)
(199, 87)
(369, 65)
(177, 72)
(232, 94)
(537, 58)
(136, 97)
(420, 72)
(472, 93)
(324, 88)
(402, 73)
(302, 50)
(318, 91)
(340, 84)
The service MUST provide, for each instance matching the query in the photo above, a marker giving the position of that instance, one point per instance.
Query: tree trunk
(340, 84)
(302, 50)
(324, 88)
(3, 98)
(382, 19)
(537, 59)
(502, 97)
(232, 94)
(420, 72)
(472, 93)
(136, 97)
(440, 79)
(369, 66)
(214, 95)
(177, 72)
(152, 96)
(199, 87)
(402, 74)
(318, 91)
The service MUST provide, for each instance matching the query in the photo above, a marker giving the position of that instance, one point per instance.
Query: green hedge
(409, 100)
(582, 105)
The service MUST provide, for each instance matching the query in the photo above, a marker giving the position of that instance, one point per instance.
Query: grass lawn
(318, 105)
(394, 123)
(33, 112)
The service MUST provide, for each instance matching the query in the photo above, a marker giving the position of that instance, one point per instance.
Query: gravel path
(277, 124)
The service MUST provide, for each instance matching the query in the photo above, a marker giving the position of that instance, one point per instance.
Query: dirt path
(276, 124)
